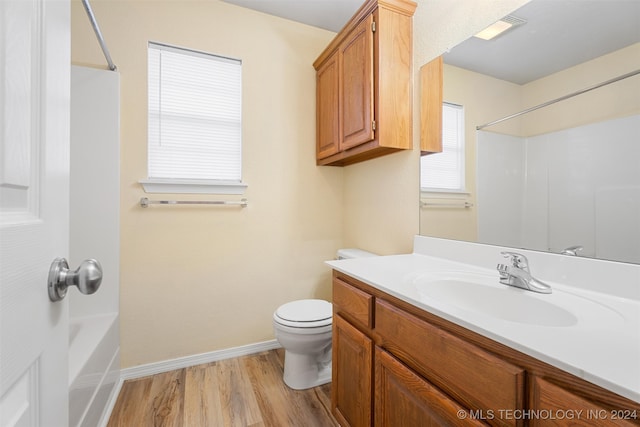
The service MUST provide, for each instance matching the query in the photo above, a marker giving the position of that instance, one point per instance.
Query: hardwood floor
(244, 391)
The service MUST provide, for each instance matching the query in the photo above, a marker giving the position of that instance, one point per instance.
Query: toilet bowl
(303, 328)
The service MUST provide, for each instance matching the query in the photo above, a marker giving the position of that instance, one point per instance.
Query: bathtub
(94, 367)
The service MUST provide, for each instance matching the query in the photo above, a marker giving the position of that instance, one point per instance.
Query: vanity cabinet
(553, 399)
(459, 368)
(395, 364)
(364, 86)
(352, 378)
(403, 398)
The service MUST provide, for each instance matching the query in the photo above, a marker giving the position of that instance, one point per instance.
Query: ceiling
(558, 33)
(328, 14)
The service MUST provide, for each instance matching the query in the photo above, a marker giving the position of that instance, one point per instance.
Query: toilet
(303, 329)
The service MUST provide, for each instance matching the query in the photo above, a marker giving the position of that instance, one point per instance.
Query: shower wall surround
(594, 201)
(94, 344)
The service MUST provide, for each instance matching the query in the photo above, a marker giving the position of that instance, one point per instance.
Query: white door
(34, 213)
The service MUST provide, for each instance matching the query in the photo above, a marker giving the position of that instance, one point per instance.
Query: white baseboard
(196, 359)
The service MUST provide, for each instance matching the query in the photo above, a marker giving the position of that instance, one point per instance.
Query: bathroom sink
(483, 294)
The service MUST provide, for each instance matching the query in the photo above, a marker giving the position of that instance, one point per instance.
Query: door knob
(87, 278)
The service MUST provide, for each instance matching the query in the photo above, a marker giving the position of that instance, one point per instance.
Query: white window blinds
(445, 171)
(194, 115)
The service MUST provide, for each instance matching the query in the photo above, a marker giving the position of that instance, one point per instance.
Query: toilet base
(302, 371)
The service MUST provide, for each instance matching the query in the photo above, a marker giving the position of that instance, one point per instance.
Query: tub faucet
(572, 250)
(518, 274)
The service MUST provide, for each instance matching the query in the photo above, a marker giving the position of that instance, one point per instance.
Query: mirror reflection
(564, 178)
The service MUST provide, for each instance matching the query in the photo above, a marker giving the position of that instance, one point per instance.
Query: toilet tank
(353, 253)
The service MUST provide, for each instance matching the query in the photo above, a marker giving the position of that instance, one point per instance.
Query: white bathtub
(94, 367)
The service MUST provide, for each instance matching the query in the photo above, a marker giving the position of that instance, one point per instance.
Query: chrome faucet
(572, 250)
(518, 274)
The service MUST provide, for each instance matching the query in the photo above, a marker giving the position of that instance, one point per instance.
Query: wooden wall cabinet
(431, 98)
(327, 130)
(364, 86)
(397, 365)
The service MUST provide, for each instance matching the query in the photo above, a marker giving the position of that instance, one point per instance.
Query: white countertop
(606, 353)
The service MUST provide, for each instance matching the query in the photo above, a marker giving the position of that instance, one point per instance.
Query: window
(194, 122)
(444, 172)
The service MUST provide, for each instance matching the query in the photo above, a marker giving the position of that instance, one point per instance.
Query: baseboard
(111, 403)
(196, 359)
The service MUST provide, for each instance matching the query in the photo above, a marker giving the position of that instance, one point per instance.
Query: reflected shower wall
(594, 201)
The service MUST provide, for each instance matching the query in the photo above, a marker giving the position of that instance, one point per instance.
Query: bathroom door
(34, 212)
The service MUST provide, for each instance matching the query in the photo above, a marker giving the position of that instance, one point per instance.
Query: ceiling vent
(513, 20)
(500, 27)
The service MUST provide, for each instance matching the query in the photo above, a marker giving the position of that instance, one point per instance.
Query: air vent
(513, 20)
(500, 27)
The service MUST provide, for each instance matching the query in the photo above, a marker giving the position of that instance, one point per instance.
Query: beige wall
(199, 279)
(615, 100)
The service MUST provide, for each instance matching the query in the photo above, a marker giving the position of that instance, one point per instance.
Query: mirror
(564, 175)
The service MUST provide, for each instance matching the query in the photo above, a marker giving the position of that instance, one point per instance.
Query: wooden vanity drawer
(574, 409)
(352, 303)
(472, 376)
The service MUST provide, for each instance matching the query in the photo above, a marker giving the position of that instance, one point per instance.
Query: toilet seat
(306, 313)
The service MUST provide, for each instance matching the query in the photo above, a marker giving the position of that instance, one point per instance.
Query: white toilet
(303, 328)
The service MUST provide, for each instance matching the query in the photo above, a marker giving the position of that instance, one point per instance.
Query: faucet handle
(517, 260)
(503, 270)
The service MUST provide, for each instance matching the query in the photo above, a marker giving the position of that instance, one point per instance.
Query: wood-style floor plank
(282, 406)
(240, 392)
(272, 395)
(167, 392)
(239, 405)
(202, 405)
(126, 410)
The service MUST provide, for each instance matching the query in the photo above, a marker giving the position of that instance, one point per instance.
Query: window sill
(192, 186)
(433, 192)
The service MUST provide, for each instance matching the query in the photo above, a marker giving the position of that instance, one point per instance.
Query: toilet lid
(306, 311)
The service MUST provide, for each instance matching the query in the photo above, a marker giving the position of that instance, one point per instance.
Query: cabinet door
(327, 113)
(557, 407)
(431, 78)
(356, 86)
(352, 375)
(402, 398)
